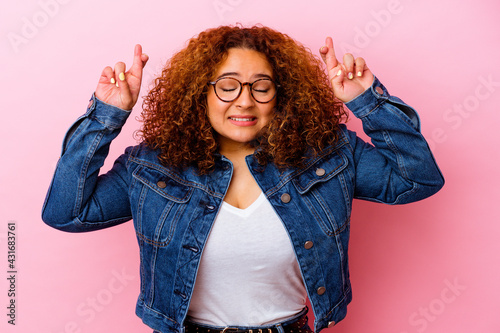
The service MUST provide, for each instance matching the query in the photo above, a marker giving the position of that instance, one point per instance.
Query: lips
(243, 120)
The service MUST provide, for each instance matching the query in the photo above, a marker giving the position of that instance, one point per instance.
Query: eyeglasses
(228, 89)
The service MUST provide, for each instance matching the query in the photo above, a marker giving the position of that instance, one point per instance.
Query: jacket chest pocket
(327, 192)
(158, 203)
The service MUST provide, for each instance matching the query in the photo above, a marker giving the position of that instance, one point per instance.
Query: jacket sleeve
(399, 167)
(78, 198)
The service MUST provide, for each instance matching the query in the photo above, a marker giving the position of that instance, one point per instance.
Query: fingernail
(112, 80)
(117, 84)
(360, 73)
(339, 72)
(322, 49)
(122, 76)
(350, 76)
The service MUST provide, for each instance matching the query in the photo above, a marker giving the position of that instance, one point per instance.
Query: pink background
(431, 266)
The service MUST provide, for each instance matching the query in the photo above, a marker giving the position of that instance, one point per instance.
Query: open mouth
(242, 119)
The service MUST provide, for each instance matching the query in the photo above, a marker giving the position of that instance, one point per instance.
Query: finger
(349, 65)
(360, 66)
(328, 54)
(140, 60)
(120, 74)
(107, 76)
(144, 58)
(338, 79)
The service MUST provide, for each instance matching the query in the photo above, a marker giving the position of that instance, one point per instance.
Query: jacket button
(308, 245)
(320, 172)
(331, 324)
(286, 198)
(379, 90)
(321, 290)
(161, 184)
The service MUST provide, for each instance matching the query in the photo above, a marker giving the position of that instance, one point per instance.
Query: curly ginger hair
(307, 114)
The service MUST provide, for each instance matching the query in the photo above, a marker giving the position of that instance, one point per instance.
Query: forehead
(244, 62)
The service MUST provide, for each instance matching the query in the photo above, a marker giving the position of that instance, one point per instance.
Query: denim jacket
(173, 211)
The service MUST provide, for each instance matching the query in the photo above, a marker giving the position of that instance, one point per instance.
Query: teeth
(241, 119)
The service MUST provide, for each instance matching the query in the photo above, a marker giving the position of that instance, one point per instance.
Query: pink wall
(427, 267)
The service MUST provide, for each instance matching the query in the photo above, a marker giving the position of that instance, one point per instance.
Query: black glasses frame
(213, 83)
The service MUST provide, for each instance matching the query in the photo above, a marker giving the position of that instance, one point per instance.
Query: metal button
(320, 172)
(308, 245)
(321, 290)
(379, 90)
(331, 324)
(286, 198)
(161, 184)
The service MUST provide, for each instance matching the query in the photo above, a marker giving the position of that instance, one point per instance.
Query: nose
(245, 99)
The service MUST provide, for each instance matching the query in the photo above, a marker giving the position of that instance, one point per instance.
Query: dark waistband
(293, 325)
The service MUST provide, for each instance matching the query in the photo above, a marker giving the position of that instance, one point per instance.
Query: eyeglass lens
(228, 89)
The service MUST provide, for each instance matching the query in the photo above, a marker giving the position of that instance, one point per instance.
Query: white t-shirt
(248, 274)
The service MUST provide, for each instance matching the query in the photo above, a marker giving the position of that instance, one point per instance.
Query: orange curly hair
(174, 113)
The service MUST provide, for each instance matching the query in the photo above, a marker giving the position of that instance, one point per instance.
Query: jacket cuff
(374, 97)
(107, 114)
(363, 104)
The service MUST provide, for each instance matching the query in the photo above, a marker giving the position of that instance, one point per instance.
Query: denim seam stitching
(326, 177)
(159, 313)
(83, 173)
(344, 297)
(175, 219)
(345, 192)
(395, 150)
(165, 195)
(380, 101)
(324, 207)
(316, 215)
(173, 176)
(296, 173)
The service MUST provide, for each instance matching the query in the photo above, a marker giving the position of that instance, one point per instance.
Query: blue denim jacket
(173, 211)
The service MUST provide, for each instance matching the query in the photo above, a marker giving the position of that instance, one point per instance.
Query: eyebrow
(258, 76)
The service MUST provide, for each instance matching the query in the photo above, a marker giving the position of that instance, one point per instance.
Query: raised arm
(78, 198)
(398, 167)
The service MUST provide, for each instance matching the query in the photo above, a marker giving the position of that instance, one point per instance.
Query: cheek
(216, 109)
(270, 111)
(211, 105)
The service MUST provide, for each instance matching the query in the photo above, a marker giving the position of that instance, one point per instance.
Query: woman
(244, 178)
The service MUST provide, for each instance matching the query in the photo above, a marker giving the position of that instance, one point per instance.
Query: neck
(236, 151)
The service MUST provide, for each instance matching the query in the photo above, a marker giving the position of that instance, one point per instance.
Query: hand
(120, 88)
(349, 79)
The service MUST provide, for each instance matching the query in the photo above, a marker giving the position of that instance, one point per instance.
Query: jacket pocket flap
(162, 184)
(321, 171)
